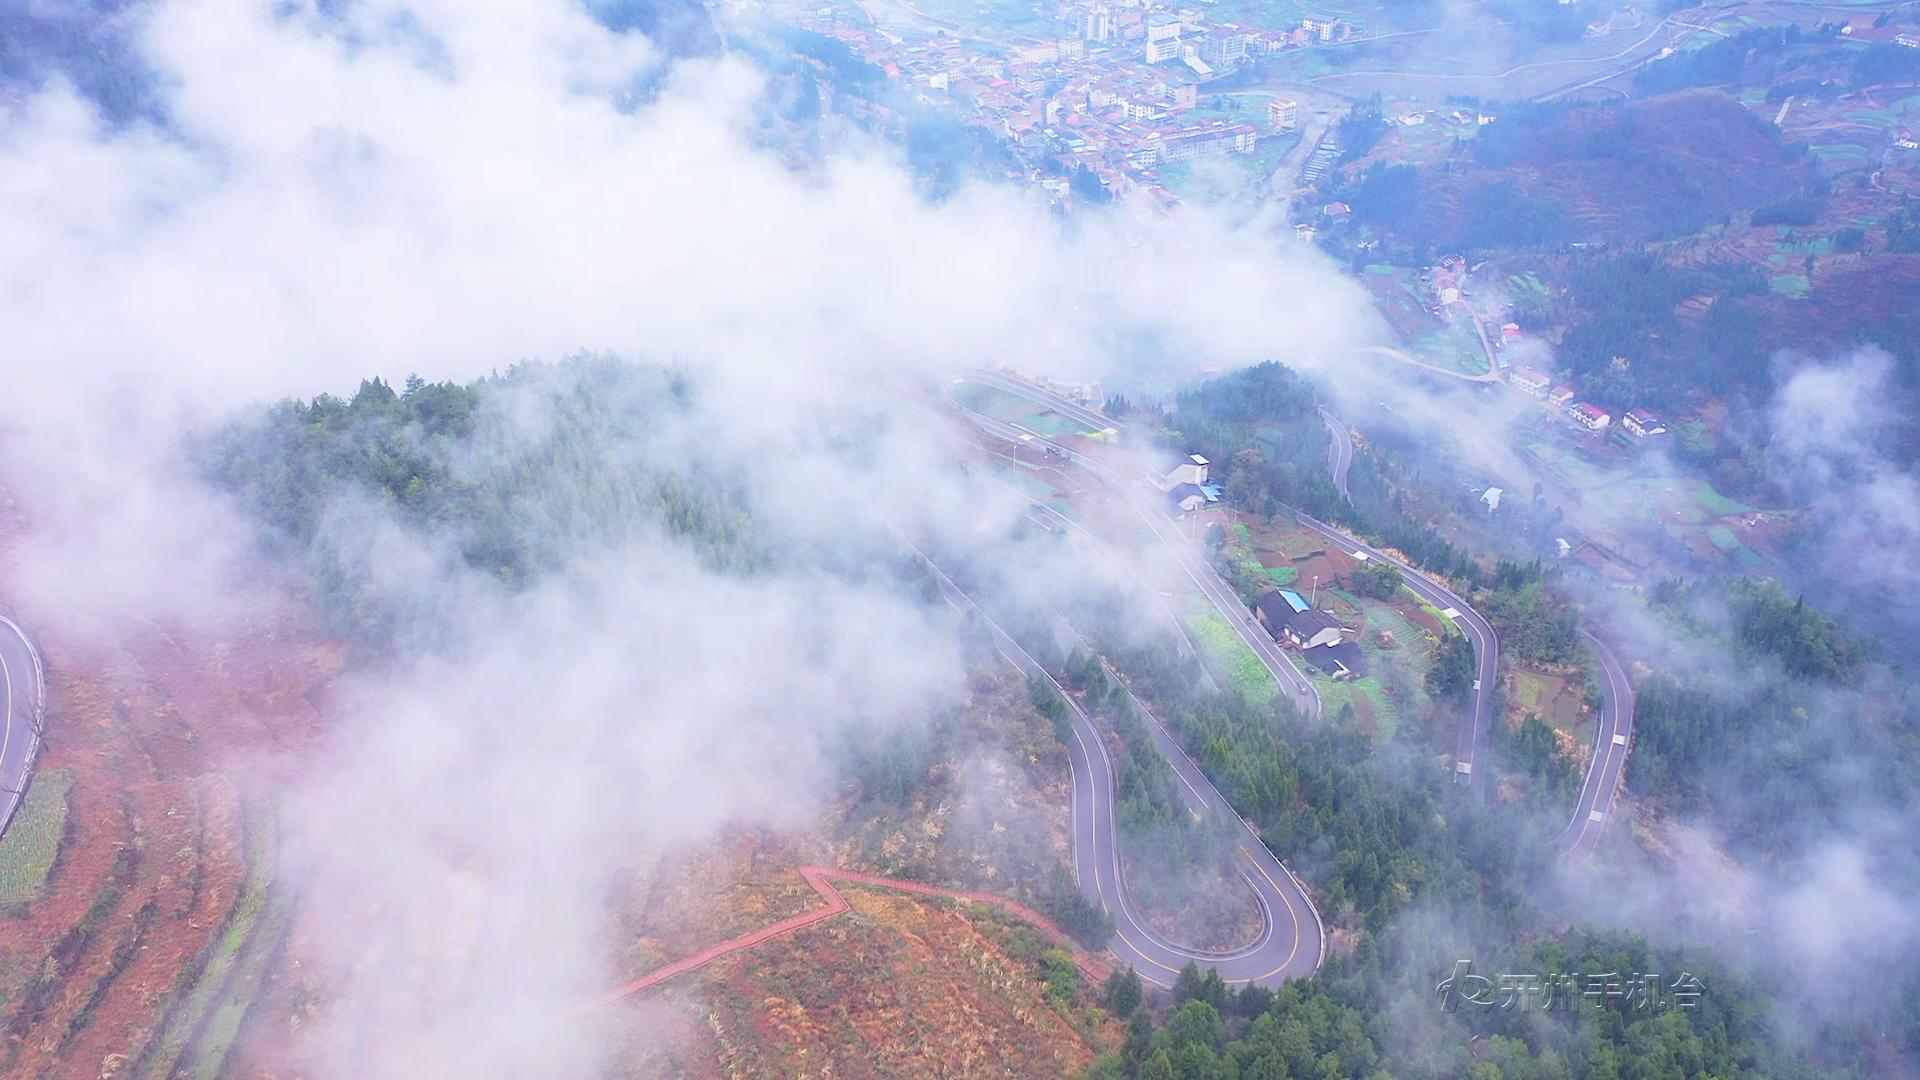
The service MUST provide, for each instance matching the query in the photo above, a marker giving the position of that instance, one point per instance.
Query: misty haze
(897, 538)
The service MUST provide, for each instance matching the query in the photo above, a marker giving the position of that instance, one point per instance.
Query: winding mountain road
(1612, 739)
(1291, 943)
(1339, 449)
(22, 699)
(1221, 595)
(1471, 749)
(1054, 521)
(1476, 724)
(1134, 944)
(1614, 734)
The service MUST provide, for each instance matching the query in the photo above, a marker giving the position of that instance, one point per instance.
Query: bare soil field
(168, 738)
(899, 986)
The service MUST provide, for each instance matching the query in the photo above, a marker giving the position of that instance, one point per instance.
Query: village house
(1338, 662)
(1643, 424)
(1191, 471)
(1187, 488)
(1286, 615)
(1276, 606)
(1311, 629)
(1560, 397)
(1188, 498)
(1592, 417)
(1529, 381)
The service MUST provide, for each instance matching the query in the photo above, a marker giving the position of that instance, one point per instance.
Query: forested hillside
(1772, 720)
(1543, 176)
(508, 476)
(1413, 875)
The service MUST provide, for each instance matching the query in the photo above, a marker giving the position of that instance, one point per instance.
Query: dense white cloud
(445, 188)
(442, 188)
(1833, 426)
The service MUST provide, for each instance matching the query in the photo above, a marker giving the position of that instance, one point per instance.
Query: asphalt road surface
(1339, 449)
(1471, 745)
(22, 696)
(1471, 749)
(1291, 943)
(1049, 518)
(1612, 739)
(1144, 499)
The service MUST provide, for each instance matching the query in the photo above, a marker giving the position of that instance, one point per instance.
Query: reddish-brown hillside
(1616, 174)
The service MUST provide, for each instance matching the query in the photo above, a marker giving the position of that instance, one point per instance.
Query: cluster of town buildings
(1638, 423)
(1109, 94)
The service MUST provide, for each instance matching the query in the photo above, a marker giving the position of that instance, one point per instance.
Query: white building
(1191, 471)
(1283, 114)
(1591, 417)
(1163, 37)
(1643, 423)
(1045, 52)
(1094, 22)
(1224, 48)
(1206, 142)
(1529, 381)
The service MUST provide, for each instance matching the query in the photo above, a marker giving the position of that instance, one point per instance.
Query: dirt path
(822, 878)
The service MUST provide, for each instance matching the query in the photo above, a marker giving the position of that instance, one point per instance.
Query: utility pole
(1316, 591)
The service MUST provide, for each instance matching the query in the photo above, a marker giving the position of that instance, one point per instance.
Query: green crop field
(33, 840)
(1416, 642)
(1228, 655)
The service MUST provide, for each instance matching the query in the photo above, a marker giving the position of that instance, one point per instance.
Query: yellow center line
(1291, 913)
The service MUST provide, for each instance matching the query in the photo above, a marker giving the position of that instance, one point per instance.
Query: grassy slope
(207, 1012)
(33, 840)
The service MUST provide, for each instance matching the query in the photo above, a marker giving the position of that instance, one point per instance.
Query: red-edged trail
(821, 878)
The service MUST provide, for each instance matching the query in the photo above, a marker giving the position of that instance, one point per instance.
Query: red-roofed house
(1591, 417)
(1643, 423)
